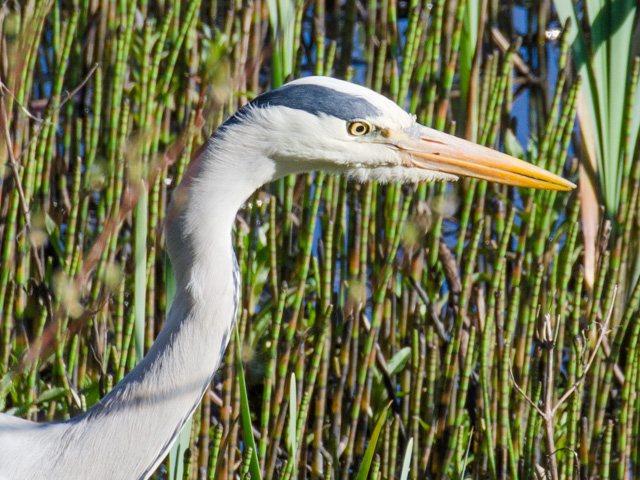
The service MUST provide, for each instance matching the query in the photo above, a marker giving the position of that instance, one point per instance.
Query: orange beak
(433, 150)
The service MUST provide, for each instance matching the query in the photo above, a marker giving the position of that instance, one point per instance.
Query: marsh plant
(435, 331)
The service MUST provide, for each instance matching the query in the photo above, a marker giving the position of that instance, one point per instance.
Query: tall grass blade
(140, 277)
(292, 439)
(245, 412)
(365, 466)
(406, 461)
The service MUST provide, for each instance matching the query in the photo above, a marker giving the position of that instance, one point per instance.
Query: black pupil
(360, 128)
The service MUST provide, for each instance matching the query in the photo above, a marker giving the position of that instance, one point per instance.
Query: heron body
(315, 123)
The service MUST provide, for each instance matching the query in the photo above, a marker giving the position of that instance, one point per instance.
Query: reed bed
(385, 331)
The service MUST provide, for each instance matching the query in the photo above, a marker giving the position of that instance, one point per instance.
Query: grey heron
(314, 123)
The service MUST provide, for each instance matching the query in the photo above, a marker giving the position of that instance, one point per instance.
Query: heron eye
(359, 128)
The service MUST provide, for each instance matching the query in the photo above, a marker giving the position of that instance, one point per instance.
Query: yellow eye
(359, 128)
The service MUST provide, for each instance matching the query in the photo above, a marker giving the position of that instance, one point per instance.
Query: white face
(363, 148)
(320, 123)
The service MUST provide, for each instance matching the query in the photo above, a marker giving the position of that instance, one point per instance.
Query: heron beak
(433, 150)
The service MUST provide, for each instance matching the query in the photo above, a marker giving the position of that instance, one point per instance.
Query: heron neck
(134, 426)
(204, 206)
(156, 399)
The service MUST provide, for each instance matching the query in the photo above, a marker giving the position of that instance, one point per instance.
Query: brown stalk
(548, 410)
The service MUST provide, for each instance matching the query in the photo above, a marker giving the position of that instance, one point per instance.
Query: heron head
(329, 124)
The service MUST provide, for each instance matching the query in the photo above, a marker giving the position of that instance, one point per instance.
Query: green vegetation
(444, 331)
(603, 49)
(611, 106)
